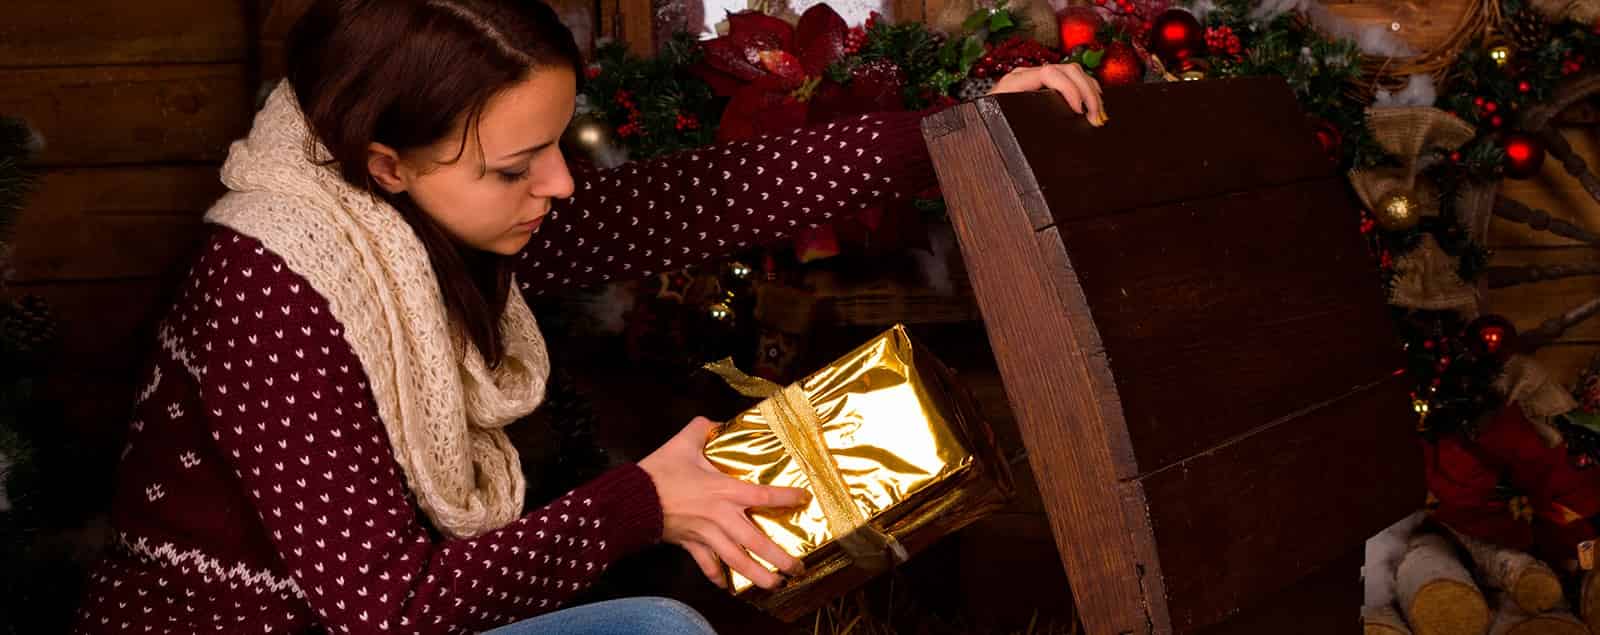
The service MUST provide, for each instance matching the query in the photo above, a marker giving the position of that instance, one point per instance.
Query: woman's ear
(386, 169)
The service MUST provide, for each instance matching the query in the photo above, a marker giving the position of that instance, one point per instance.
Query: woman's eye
(512, 177)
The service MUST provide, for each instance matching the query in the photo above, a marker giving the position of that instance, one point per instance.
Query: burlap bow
(1405, 132)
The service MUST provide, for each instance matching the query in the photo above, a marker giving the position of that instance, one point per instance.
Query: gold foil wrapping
(907, 452)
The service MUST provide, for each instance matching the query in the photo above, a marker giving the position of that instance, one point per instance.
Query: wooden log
(121, 222)
(1512, 619)
(1383, 620)
(1437, 592)
(1525, 581)
(1589, 600)
(39, 33)
(131, 114)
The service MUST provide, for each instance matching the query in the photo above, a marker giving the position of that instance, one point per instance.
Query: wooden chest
(1192, 336)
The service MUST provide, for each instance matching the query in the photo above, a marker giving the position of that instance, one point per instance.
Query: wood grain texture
(1321, 604)
(1423, 25)
(1199, 300)
(120, 222)
(1077, 180)
(106, 326)
(630, 22)
(131, 114)
(1019, 304)
(1153, 336)
(38, 33)
(1235, 524)
(1555, 192)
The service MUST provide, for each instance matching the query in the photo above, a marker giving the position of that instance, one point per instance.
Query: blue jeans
(628, 616)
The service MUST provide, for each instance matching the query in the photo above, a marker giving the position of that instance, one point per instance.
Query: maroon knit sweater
(258, 491)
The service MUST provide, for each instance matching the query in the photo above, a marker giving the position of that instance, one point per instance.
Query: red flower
(771, 70)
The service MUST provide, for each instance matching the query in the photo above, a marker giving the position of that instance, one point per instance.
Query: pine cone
(974, 87)
(1527, 29)
(27, 327)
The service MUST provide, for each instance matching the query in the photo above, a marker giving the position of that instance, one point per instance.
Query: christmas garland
(1453, 361)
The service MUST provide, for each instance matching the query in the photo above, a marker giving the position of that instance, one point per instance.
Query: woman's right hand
(704, 510)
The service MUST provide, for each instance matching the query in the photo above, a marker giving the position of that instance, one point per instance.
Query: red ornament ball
(1491, 335)
(1177, 35)
(1524, 154)
(1120, 66)
(1327, 136)
(1078, 26)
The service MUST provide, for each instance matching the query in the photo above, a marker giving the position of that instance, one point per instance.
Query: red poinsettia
(775, 75)
(770, 69)
(1559, 499)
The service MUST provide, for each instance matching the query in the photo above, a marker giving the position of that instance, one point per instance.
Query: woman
(320, 443)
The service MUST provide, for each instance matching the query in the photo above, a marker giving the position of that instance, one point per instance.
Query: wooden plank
(277, 17)
(1056, 404)
(1182, 307)
(105, 326)
(131, 114)
(1009, 574)
(97, 406)
(38, 33)
(1325, 603)
(117, 222)
(1210, 162)
(1554, 191)
(1236, 524)
(1529, 304)
(905, 11)
(630, 22)
(1425, 28)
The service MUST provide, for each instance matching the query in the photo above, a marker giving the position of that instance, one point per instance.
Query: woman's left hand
(1081, 91)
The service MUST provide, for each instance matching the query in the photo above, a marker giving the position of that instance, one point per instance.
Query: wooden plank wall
(136, 106)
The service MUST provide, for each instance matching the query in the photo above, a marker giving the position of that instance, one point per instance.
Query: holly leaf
(1092, 58)
(1584, 419)
(975, 20)
(1000, 20)
(971, 52)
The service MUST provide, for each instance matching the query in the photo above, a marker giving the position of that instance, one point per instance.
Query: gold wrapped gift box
(890, 447)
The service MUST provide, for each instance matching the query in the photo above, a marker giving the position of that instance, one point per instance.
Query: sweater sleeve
(667, 213)
(288, 404)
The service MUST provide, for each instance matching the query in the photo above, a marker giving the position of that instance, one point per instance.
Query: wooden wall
(136, 102)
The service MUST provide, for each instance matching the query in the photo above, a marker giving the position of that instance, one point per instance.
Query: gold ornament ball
(1500, 51)
(719, 311)
(1397, 213)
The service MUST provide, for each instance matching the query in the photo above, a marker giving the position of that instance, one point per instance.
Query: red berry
(1477, 101)
(1491, 106)
(1523, 86)
(1455, 157)
(1495, 121)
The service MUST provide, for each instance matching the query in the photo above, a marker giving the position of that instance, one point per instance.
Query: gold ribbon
(795, 421)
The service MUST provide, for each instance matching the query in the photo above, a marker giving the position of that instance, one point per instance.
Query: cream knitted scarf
(443, 408)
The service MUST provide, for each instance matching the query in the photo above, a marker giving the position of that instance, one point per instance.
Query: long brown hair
(407, 73)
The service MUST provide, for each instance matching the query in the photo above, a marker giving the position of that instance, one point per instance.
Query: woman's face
(495, 195)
